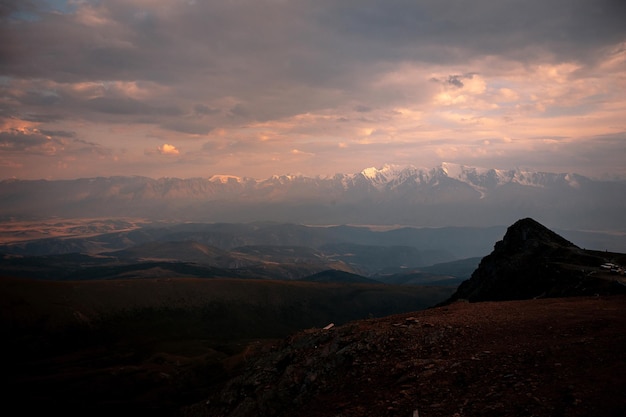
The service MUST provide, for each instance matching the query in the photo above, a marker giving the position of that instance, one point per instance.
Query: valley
(123, 248)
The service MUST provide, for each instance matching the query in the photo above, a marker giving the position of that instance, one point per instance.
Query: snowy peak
(478, 176)
(472, 174)
(452, 170)
(483, 180)
(487, 178)
(388, 171)
(388, 174)
(392, 176)
(225, 179)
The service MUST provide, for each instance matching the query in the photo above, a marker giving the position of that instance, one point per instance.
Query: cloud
(449, 32)
(301, 153)
(258, 79)
(189, 126)
(455, 80)
(27, 142)
(58, 133)
(128, 106)
(167, 149)
(42, 118)
(362, 109)
(204, 110)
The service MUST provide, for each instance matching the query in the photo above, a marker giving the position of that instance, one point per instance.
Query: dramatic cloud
(255, 88)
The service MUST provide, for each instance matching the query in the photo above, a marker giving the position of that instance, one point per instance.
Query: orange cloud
(168, 149)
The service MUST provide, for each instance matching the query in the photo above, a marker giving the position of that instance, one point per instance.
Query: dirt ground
(547, 357)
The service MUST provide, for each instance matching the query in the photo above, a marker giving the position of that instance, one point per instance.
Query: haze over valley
(447, 195)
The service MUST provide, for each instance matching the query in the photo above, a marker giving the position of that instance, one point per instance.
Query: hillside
(542, 358)
(142, 346)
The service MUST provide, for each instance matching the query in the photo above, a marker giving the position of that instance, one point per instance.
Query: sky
(253, 88)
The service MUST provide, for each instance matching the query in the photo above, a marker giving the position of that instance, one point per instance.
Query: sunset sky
(193, 88)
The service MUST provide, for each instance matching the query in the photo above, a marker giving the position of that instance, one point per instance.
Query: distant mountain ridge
(389, 176)
(448, 195)
(481, 179)
(276, 251)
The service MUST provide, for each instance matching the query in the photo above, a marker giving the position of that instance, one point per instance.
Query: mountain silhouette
(532, 261)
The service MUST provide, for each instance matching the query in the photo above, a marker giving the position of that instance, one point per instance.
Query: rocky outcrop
(532, 261)
(549, 357)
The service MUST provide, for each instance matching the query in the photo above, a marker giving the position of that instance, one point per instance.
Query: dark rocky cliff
(532, 261)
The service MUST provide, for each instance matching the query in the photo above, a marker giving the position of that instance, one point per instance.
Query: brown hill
(548, 357)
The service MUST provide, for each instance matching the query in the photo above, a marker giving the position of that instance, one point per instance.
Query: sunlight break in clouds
(256, 88)
(168, 149)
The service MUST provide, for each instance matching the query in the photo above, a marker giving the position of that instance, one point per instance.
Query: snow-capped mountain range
(481, 179)
(391, 176)
(447, 195)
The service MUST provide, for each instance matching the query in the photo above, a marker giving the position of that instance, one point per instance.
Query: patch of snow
(572, 181)
(224, 179)
(455, 171)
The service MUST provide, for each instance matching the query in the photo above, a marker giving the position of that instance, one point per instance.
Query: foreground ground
(548, 357)
(151, 346)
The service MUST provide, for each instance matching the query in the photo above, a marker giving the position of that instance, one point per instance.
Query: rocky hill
(542, 358)
(532, 261)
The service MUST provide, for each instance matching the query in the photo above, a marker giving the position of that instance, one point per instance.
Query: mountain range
(447, 195)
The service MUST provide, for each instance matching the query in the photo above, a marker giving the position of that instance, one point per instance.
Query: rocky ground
(544, 357)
